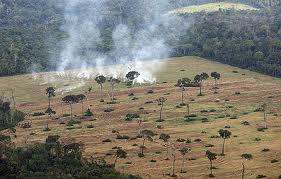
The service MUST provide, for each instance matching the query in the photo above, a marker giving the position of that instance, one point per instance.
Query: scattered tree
(161, 102)
(113, 82)
(182, 84)
(50, 91)
(216, 77)
(211, 156)
(225, 134)
(199, 80)
(70, 99)
(131, 76)
(174, 162)
(100, 80)
(120, 154)
(146, 134)
(183, 152)
(165, 138)
(81, 98)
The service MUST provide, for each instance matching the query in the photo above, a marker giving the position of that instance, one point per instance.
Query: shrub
(148, 102)
(209, 145)
(265, 150)
(153, 161)
(90, 126)
(237, 93)
(204, 111)
(131, 94)
(73, 122)
(180, 140)
(106, 140)
(191, 115)
(197, 140)
(140, 155)
(65, 115)
(213, 110)
(257, 139)
(247, 156)
(261, 129)
(234, 117)
(38, 114)
(150, 92)
(88, 113)
(188, 141)
(246, 123)
(108, 110)
(274, 161)
(135, 145)
(135, 98)
(46, 129)
(122, 137)
(131, 116)
(261, 176)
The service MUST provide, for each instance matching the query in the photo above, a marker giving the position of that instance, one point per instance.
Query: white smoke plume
(131, 46)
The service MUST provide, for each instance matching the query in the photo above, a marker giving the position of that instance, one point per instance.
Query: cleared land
(245, 91)
(212, 7)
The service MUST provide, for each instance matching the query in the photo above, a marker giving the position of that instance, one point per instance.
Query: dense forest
(51, 159)
(31, 34)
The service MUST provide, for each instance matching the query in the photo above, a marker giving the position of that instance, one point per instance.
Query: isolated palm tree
(165, 138)
(216, 77)
(81, 98)
(183, 152)
(182, 84)
(120, 154)
(225, 134)
(161, 102)
(113, 82)
(174, 163)
(131, 76)
(199, 80)
(50, 91)
(146, 135)
(211, 156)
(101, 80)
(70, 99)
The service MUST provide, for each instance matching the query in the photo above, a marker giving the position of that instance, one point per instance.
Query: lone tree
(183, 152)
(146, 134)
(264, 107)
(216, 77)
(120, 153)
(182, 84)
(101, 80)
(161, 102)
(225, 134)
(50, 91)
(246, 157)
(113, 82)
(211, 156)
(199, 80)
(131, 76)
(165, 138)
(70, 99)
(174, 162)
(81, 98)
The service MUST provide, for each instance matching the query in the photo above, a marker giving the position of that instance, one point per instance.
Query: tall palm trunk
(182, 165)
(182, 95)
(161, 111)
(211, 167)
(174, 161)
(70, 111)
(222, 152)
(243, 170)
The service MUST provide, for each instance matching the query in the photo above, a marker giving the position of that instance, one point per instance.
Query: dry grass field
(240, 93)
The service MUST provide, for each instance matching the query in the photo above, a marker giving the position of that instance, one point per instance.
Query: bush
(261, 176)
(150, 92)
(213, 110)
(122, 137)
(131, 94)
(106, 141)
(153, 161)
(148, 102)
(180, 140)
(247, 156)
(65, 115)
(274, 161)
(38, 114)
(197, 140)
(90, 126)
(131, 116)
(191, 115)
(46, 129)
(135, 98)
(209, 145)
(108, 110)
(73, 122)
(188, 141)
(265, 150)
(88, 113)
(237, 93)
(246, 123)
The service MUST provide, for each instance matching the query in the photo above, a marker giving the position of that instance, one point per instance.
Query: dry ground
(254, 88)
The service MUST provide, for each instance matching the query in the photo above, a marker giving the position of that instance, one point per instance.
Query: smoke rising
(138, 32)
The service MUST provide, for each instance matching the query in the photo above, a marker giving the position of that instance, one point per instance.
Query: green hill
(212, 7)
